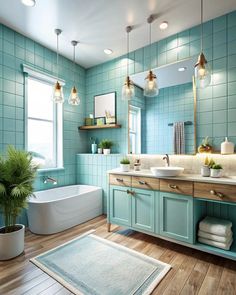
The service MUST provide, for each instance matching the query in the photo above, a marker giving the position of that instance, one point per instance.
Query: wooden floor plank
(192, 272)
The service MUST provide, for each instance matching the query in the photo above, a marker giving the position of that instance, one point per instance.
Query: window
(135, 129)
(43, 124)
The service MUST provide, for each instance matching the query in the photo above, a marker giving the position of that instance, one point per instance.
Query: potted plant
(17, 174)
(205, 146)
(205, 169)
(99, 148)
(106, 145)
(216, 170)
(125, 165)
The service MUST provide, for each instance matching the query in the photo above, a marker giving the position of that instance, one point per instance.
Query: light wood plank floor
(192, 272)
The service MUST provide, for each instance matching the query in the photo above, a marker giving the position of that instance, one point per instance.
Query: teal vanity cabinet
(119, 204)
(176, 210)
(132, 202)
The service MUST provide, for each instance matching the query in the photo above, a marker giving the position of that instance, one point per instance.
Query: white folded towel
(216, 238)
(216, 244)
(216, 226)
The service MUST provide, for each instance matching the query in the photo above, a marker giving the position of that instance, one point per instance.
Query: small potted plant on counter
(206, 168)
(17, 174)
(216, 170)
(125, 165)
(106, 145)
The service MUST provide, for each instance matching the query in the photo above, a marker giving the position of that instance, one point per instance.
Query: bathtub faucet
(47, 179)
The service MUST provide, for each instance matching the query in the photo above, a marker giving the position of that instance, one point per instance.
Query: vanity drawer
(122, 180)
(176, 186)
(146, 183)
(213, 191)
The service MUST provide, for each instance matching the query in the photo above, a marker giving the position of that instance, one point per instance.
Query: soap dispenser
(227, 147)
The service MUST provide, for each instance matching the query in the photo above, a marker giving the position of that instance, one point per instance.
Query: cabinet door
(176, 216)
(120, 206)
(143, 209)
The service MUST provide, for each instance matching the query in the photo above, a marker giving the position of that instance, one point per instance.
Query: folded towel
(216, 238)
(216, 244)
(216, 226)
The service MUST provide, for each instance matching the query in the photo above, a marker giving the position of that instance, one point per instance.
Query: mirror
(165, 123)
(105, 107)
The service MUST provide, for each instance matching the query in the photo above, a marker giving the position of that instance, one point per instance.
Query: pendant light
(151, 86)
(74, 97)
(128, 89)
(202, 68)
(58, 91)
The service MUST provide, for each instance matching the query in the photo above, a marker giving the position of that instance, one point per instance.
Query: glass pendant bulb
(202, 72)
(58, 96)
(128, 91)
(151, 86)
(58, 93)
(74, 97)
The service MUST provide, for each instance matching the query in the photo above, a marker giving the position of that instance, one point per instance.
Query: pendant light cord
(74, 66)
(57, 55)
(201, 25)
(127, 53)
(150, 42)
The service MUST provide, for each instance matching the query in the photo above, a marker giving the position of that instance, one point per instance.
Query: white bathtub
(60, 208)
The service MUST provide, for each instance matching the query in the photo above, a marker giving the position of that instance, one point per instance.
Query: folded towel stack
(216, 232)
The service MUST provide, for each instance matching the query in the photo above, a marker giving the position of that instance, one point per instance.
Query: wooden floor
(192, 272)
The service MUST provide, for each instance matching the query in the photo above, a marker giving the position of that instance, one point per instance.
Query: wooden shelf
(99, 127)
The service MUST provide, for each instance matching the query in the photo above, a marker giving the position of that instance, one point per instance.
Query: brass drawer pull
(120, 179)
(130, 192)
(172, 186)
(142, 182)
(218, 194)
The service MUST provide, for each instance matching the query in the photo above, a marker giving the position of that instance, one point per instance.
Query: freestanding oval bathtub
(57, 209)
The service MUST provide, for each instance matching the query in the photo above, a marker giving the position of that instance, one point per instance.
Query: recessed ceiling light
(108, 51)
(30, 3)
(164, 25)
(182, 69)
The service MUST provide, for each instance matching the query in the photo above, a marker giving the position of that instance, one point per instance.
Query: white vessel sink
(167, 171)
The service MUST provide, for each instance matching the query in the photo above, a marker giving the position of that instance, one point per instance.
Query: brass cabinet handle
(132, 193)
(142, 182)
(172, 186)
(120, 179)
(218, 194)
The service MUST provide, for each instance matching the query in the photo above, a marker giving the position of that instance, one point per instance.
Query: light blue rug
(94, 266)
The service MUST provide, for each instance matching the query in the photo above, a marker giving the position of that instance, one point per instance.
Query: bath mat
(91, 265)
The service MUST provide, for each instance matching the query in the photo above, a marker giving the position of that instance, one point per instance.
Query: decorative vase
(12, 244)
(106, 151)
(125, 167)
(205, 171)
(216, 173)
(94, 147)
(227, 147)
(99, 151)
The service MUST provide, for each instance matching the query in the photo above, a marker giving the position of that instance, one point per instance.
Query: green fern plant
(17, 174)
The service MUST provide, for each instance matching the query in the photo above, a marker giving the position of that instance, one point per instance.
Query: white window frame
(57, 115)
(137, 134)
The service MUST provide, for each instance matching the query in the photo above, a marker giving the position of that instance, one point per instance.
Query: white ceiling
(100, 24)
(169, 75)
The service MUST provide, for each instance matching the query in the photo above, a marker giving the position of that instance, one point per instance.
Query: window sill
(43, 170)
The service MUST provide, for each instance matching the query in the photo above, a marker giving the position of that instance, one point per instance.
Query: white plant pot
(205, 171)
(106, 151)
(12, 244)
(216, 173)
(125, 167)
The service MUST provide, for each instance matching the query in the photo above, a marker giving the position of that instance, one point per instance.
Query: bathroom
(95, 136)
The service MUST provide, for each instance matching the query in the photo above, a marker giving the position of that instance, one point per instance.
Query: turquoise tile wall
(15, 49)
(92, 170)
(216, 105)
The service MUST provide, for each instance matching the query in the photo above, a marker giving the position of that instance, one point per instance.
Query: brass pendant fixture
(74, 97)
(202, 68)
(128, 91)
(151, 86)
(58, 91)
